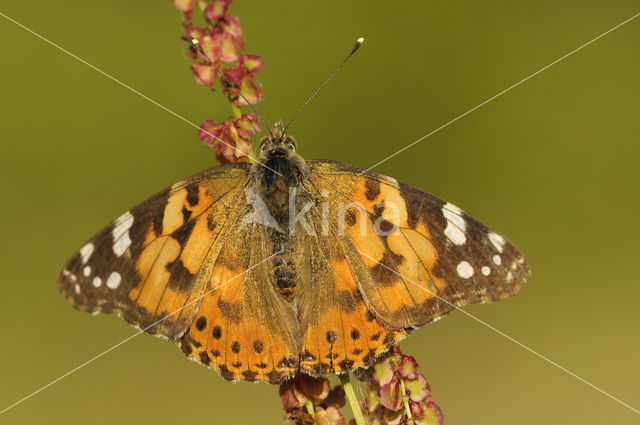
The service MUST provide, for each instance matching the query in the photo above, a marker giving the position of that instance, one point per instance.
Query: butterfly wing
(184, 265)
(153, 262)
(243, 328)
(339, 332)
(406, 255)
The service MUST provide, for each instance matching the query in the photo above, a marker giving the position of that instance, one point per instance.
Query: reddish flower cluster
(397, 393)
(302, 391)
(230, 139)
(221, 41)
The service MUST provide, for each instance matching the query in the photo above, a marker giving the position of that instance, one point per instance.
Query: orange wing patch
(152, 269)
(226, 336)
(341, 334)
(177, 256)
(242, 328)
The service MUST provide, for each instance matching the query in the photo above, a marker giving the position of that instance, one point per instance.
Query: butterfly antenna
(355, 48)
(199, 48)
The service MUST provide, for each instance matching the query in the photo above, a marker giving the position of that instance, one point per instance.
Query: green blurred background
(552, 164)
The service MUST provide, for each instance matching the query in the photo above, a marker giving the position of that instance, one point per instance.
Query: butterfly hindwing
(243, 328)
(339, 332)
(150, 265)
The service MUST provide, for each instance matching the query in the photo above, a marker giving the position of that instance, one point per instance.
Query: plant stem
(345, 379)
(405, 401)
(403, 393)
(309, 405)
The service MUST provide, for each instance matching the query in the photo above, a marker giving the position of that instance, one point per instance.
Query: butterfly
(265, 270)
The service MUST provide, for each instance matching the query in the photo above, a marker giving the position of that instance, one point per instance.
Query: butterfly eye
(266, 144)
(290, 144)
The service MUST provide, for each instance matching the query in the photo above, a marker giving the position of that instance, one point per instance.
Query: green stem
(345, 379)
(403, 393)
(309, 405)
(405, 400)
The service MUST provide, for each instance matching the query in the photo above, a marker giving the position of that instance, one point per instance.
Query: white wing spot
(77, 288)
(121, 239)
(86, 271)
(497, 241)
(509, 277)
(456, 225)
(97, 281)
(465, 270)
(113, 281)
(486, 270)
(497, 260)
(86, 251)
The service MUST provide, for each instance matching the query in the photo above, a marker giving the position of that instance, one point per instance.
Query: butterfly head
(278, 144)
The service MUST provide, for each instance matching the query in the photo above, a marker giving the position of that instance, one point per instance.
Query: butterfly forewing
(151, 264)
(422, 255)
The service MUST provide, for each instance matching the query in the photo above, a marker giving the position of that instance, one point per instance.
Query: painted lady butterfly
(311, 266)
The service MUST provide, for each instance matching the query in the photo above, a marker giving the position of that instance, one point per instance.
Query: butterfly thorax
(278, 175)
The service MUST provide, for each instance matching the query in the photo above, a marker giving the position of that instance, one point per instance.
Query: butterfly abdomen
(278, 185)
(285, 267)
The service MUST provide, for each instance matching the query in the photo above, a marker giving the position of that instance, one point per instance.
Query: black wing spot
(204, 357)
(346, 364)
(373, 189)
(192, 194)
(217, 332)
(249, 375)
(186, 214)
(331, 337)
(201, 323)
(258, 346)
(355, 333)
(389, 339)
(226, 373)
